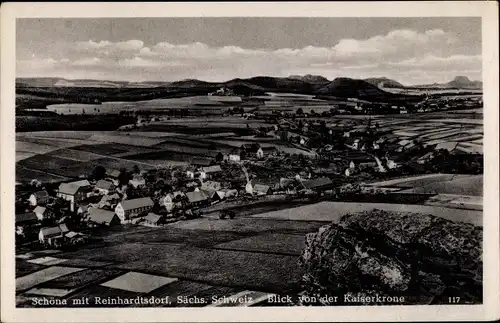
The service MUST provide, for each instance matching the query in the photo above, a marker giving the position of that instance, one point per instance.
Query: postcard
(302, 161)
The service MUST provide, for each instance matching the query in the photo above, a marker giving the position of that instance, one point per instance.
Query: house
(318, 184)
(190, 173)
(102, 217)
(260, 153)
(167, 201)
(197, 198)
(137, 182)
(217, 156)
(73, 193)
(152, 219)
(43, 213)
(234, 157)
(261, 189)
(109, 200)
(202, 162)
(105, 187)
(24, 220)
(131, 208)
(39, 198)
(113, 173)
(53, 236)
(211, 170)
(211, 185)
(228, 193)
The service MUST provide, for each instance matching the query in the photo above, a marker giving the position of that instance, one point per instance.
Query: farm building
(318, 184)
(105, 187)
(53, 236)
(102, 217)
(202, 162)
(197, 198)
(130, 208)
(39, 198)
(43, 213)
(73, 193)
(152, 219)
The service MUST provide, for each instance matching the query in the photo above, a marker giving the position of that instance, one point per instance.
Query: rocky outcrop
(420, 258)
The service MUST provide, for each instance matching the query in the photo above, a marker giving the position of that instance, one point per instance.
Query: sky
(408, 50)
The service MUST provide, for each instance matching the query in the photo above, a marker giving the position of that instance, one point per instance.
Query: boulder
(420, 257)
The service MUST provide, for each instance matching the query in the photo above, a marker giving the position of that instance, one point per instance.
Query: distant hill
(459, 82)
(463, 82)
(385, 82)
(310, 78)
(351, 88)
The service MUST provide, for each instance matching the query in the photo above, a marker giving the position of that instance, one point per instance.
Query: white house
(53, 235)
(190, 174)
(42, 213)
(131, 208)
(249, 188)
(105, 187)
(39, 198)
(234, 157)
(137, 182)
(167, 202)
(73, 192)
(260, 153)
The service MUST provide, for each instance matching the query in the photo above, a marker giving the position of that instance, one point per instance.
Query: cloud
(397, 54)
(92, 61)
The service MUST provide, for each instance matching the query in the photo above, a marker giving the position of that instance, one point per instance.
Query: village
(357, 152)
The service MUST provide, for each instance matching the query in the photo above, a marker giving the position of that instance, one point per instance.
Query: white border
(488, 10)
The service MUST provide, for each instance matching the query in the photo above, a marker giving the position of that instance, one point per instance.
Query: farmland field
(276, 243)
(223, 267)
(30, 280)
(81, 278)
(333, 211)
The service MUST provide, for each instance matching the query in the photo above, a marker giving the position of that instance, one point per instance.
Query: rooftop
(137, 203)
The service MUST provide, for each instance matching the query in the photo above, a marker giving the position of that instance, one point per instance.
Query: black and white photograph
(232, 161)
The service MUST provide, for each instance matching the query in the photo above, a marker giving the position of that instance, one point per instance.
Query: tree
(124, 177)
(136, 169)
(98, 173)
(299, 111)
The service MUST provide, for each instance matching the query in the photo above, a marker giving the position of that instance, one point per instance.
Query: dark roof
(202, 161)
(26, 217)
(113, 173)
(102, 184)
(153, 218)
(41, 194)
(212, 169)
(101, 216)
(317, 183)
(54, 231)
(137, 203)
(214, 153)
(194, 197)
(68, 188)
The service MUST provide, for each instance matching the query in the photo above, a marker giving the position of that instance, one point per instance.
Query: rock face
(418, 257)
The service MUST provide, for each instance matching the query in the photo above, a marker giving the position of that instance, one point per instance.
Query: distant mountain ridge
(384, 82)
